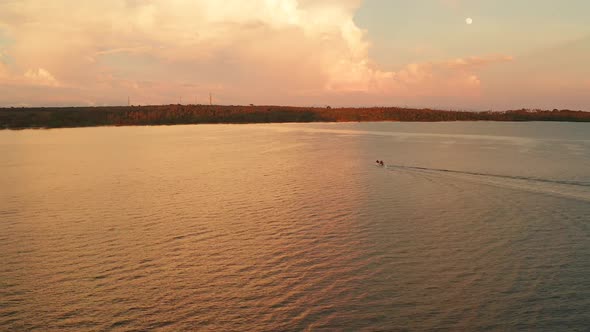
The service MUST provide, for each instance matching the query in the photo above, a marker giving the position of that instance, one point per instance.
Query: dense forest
(61, 117)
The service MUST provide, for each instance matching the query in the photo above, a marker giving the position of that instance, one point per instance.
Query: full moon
(469, 20)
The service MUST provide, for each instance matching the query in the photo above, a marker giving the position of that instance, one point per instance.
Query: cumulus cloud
(452, 77)
(262, 51)
(40, 76)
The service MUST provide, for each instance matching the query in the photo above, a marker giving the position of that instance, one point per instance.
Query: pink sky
(306, 52)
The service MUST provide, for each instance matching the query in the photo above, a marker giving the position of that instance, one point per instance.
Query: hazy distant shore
(66, 117)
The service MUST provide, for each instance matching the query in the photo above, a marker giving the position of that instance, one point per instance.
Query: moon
(469, 21)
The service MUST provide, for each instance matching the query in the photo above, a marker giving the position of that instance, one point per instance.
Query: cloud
(32, 77)
(261, 51)
(455, 77)
(40, 76)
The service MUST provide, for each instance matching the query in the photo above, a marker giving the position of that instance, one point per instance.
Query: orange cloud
(457, 77)
(40, 76)
(244, 51)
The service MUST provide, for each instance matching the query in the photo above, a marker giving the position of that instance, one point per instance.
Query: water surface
(470, 226)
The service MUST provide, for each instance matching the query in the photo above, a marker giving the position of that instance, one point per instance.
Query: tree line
(62, 117)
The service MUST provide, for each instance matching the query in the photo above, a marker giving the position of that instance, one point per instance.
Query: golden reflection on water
(265, 227)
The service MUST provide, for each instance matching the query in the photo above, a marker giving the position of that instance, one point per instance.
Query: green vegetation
(61, 117)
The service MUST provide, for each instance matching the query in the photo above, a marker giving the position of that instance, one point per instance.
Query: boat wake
(564, 188)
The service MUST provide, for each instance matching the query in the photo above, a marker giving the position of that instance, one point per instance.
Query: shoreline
(116, 116)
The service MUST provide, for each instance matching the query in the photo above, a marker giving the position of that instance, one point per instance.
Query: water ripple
(296, 235)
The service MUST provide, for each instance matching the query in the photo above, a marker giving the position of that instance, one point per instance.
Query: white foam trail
(561, 188)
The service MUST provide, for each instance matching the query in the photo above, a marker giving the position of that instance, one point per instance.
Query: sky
(415, 53)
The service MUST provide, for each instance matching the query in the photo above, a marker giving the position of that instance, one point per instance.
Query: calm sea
(276, 227)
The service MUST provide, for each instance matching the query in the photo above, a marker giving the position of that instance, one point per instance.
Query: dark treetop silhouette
(60, 117)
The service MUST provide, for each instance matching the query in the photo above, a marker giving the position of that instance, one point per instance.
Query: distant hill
(62, 117)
